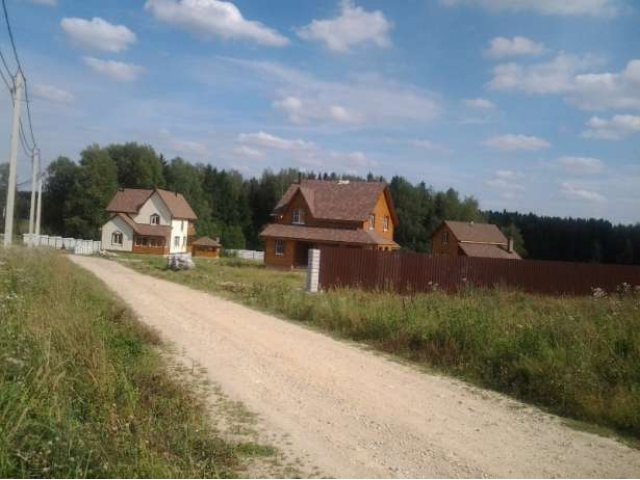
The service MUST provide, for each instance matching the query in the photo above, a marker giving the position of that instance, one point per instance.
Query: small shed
(206, 247)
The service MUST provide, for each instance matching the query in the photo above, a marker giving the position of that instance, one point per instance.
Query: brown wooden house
(313, 213)
(206, 247)
(471, 239)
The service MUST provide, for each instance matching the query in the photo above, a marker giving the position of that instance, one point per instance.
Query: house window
(280, 247)
(372, 221)
(385, 223)
(176, 241)
(298, 217)
(154, 219)
(184, 241)
(182, 225)
(445, 238)
(116, 238)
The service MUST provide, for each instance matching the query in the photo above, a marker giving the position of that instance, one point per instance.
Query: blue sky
(532, 105)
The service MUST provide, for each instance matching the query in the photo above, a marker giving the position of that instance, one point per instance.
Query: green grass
(578, 357)
(84, 391)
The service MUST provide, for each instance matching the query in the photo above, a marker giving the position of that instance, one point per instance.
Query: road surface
(354, 413)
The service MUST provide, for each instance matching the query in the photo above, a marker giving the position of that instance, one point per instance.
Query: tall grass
(579, 357)
(83, 392)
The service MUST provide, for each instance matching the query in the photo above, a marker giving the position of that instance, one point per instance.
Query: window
(372, 221)
(298, 216)
(385, 223)
(280, 248)
(154, 219)
(116, 238)
(182, 225)
(176, 241)
(184, 241)
(445, 238)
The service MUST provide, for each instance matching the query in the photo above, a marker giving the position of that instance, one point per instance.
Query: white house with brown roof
(154, 221)
(471, 239)
(313, 213)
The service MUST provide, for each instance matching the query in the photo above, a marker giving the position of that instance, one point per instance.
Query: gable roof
(206, 242)
(487, 251)
(130, 200)
(145, 229)
(319, 234)
(476, 232)
(338, 200)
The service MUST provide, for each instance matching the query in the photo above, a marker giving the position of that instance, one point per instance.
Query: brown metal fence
(405, 272)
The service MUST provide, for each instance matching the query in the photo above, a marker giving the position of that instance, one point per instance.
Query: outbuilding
(206, 247)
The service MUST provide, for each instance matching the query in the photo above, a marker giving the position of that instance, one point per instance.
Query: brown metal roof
(129, 200)
(476, 232)
(206, 242)
(330, 235)
(487, 251)
(177, 204)
(145, 229)
(338, 200)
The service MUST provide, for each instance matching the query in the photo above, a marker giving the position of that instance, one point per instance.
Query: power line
(13, 43)
(4, 62)
(23, 140)
(26, 96)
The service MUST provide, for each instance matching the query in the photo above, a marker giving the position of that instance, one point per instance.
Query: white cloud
(479, 103)
(595, 8)
(571, 191)
(51, 93)
(120, 71)
(213, 18)
(303, 152)
(248, 152)
(553, 77)
(355, 26)
(266, 140)
(581, 165)
(47, 3)
(502, 47)
(567, 75)
(356, 101)
(512, 143)
(98, 34)
(616, 128)
(506, 182)
(428, 145)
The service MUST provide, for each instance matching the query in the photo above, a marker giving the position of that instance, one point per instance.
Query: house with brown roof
(154, 221)
(471, 239)
(206, 247)
(314, 213)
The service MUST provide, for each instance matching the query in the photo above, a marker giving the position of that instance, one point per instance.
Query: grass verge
(578, 357)
(83, 390)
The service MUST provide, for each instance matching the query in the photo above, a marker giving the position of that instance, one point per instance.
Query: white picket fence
(247, 254)
(77, 246)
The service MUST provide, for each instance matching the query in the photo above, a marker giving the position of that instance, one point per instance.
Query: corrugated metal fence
(77, 246)
(405, 272)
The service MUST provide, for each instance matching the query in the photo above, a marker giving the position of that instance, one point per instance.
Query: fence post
(313, 271)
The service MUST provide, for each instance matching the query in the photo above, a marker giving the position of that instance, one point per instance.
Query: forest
(235, 208)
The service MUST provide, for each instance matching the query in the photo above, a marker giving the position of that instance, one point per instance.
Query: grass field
(84, 391)
(579, 357)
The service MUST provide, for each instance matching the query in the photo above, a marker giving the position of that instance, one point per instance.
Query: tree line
(236, 209)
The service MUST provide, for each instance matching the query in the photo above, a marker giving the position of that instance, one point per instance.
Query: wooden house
(206, 247)
(471, 239)
(314, 213)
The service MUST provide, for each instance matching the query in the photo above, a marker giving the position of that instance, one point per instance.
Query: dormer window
(372, 221)
(298, 216)
(385, 223)
(154, 219)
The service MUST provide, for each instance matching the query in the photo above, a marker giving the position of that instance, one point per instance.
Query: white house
(155, 221)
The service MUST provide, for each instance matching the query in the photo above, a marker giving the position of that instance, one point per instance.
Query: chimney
(510, 245)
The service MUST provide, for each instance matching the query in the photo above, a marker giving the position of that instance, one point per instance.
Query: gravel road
(354, 413)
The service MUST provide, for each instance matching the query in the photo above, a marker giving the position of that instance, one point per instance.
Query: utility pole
(39, 209)
(11, 187)
(32, 205)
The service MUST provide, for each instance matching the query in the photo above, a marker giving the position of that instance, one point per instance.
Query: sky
(528, 105)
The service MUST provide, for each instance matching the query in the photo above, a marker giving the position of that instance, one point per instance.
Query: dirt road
(354, 413)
